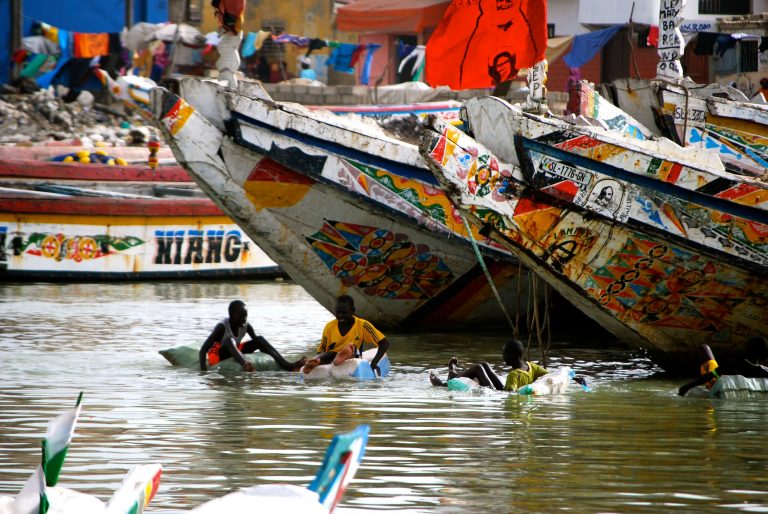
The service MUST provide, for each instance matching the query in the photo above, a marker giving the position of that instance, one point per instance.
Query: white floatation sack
(732, 386)
(188, 356)
(463, 384)
(554, 382)
(356, 368)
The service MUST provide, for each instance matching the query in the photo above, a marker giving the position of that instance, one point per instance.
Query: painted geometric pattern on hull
(621, 200)
(642, 280)
(426, 203)
(76, 248)
(733, 145)
(686, 177)
(380, 262)
(645, 281)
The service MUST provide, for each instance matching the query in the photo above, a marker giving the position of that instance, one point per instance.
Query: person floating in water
(755, 365)
(224, 342)
(523, 372)
(344, 337)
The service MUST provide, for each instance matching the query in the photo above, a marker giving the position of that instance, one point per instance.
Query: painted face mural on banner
(481, 43)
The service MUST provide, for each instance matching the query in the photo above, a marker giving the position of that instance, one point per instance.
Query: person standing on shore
(230, 14)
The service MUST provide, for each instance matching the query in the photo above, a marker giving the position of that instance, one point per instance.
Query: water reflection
(631, 445)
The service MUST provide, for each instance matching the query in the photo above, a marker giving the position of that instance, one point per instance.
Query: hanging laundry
(316, 44)
(403, 49)
(91, 45)
(65, 53)
(586, 46)
(249, 44)
(40, 45)
(114, 46)
(763, 44)
(483, 45)
(341, 57)
(261, 36)
(356, 55)
(724, 43)
(412, 62)
(365, 75)
(300, 41)
(653, 36)
(705, 45)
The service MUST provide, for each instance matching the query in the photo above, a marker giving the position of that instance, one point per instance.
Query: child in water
(226, 341)
(755, 365)
(522, 373)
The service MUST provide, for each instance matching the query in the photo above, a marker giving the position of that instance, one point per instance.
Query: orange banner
(481, 43)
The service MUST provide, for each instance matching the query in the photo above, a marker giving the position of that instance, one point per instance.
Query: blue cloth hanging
(586, 46)
(249, 45)
(365, 75)
(341, 57)
(45, 79)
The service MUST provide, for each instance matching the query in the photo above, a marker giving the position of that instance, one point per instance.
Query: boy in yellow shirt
(344, 337)
(522, 373)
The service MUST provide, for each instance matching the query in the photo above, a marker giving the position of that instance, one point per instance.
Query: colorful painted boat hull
(663, 296)
(682, 194)
(327, 240)
(84, 239)
(735, 130)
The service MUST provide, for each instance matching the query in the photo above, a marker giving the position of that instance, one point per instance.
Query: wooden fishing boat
(714, 117)
(685, 194)
(342, 208)
(642, 263)
(72, 222)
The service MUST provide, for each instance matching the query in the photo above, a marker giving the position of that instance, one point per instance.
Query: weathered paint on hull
(330, 243)
(658, 295)
(68, 240)
(684, 195)
(723, 223)
(737, 131)
(409, 191)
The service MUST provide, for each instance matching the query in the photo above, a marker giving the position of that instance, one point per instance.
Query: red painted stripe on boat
(674, 173)
(271, 171)
(737, 191)
(110, 206)
(97, 172)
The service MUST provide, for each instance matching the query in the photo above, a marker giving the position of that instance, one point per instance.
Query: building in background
(72, 15)
(306, 18)
(627, 54)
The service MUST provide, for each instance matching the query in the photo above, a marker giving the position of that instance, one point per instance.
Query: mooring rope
(487, 273)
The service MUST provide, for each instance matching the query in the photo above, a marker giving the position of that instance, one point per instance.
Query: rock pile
(40, 116)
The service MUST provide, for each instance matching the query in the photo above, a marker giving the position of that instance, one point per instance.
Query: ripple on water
(630, 446)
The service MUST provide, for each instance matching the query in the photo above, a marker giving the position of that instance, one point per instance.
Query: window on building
(194, 10)
(271, 50)
(748, 56)
(725, 6)
(550, 30)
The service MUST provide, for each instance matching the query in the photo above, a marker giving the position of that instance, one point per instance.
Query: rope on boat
(541, 327)
(537, 325)
(487, 273)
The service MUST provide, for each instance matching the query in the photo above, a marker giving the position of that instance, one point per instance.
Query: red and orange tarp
(391, 16)
(481, 43)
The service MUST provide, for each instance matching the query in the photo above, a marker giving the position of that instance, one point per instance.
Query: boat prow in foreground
(376, 247)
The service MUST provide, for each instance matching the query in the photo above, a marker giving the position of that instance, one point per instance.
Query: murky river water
(631, 445)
